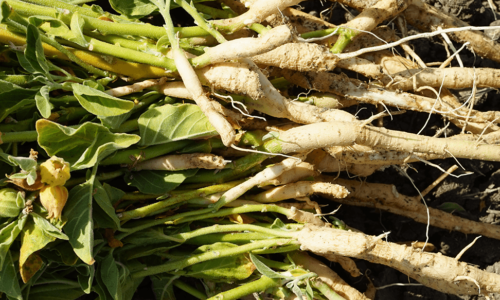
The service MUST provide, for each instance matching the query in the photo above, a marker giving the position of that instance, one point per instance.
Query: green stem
(206, 256)
(61, 49)
(275, 264)
(259, 28)
(129, 156)
(71, 113)
(345, 38)
(18, 137)
(201, 21)
(128, 126)
(23, 125)
(238, 166)
(208, 213)
(214, 12)
(256, 286)
(106, 27)
(64, 5)
(230, 228)
(190, 290)
(100, 177)
(326, 290)
(155, 207)
(235, 238)
(318, 33)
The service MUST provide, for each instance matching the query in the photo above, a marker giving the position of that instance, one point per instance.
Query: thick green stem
(326, 290)
(318, 33)
(206, 256)
(190, 290)
(18, 137)
(256, 286)
(155, 207)
(23, 125)
(201, 21)
(106, 27)
(129, 156)
(235, 238)
(208, 213)
(345, 38)
(237, 167)
(230, 228)
(100, 177)
(214, 12)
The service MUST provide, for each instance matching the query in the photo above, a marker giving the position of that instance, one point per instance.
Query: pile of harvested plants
(191, 158)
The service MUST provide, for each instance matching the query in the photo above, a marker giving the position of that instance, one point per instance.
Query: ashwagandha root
(358, 90)
(444, 274)
(386, 197)
(247, 79)
(136, 87)
(305, 217)
(326, 275)
(301, 170)
(182, 162)
(298, 190)
(305, 138)
(259, 11)
(345, 262)
(193, 85)
(299, 57)
(452, 78)
(244, 47)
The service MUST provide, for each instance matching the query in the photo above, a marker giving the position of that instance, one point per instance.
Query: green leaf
(158, 182)
(5, 10)
(48, 228)
(52, 26)
(42, 100)
(77, 23)
(133, 9)
(163, 287)
(113, 122)
(9, 283)
(13, 98)
(34, 51)
(56, 291)
(9, 207)
(8, 235)
(102, 198)
(237, 267)
(170, 123)
(451, 207)
(28, 167)
(85, 277)
(309, 291)
(110, 276)
(33, 238)
(83, 147)
(78, 212)
(265, 270)
(99, 103)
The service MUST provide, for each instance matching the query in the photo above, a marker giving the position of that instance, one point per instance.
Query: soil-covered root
(247, 79)
(305, 217)
(302, 170)
(136, 87)
(436, 271)
(258, 12)
(386, 197)
(193, 84)
(298, 190)
(452, 78)
(245, 47)
(357, 90)
(364, 67)
(326, 275)
(305, 138)
(299, 57)
(183, 162)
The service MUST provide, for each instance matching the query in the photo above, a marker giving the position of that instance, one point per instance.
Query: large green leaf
(34, 51)
(100, 103)
(237, 267)
(133, 8)
(78, 212)
(14, 97)
(107, 217)
(83, 147)
(49, 229)
(170, 123)
(110, 277)
(9, 283)
(158, 182)
(42, 100)
(33, 238)
(7, 236)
